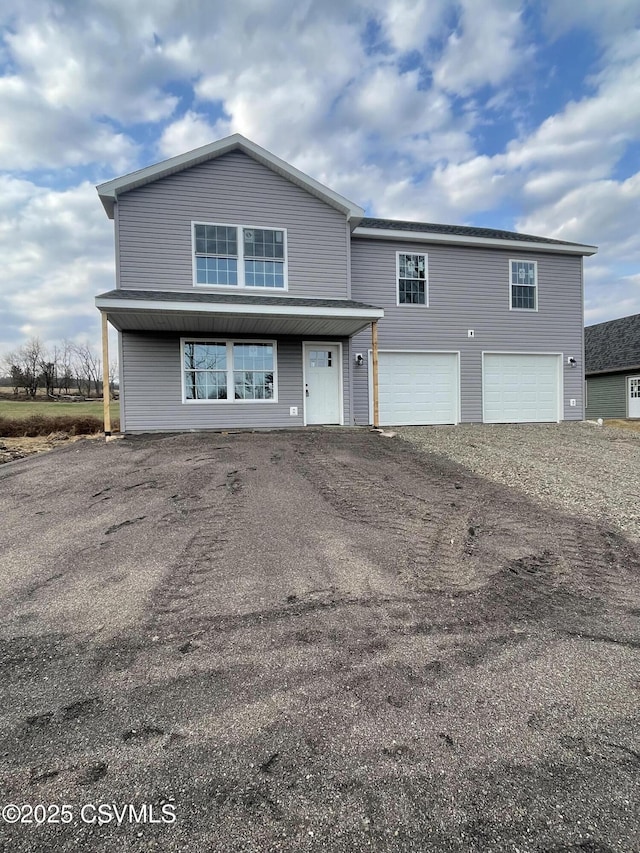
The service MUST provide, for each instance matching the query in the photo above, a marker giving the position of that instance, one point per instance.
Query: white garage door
(418, 388)
(520, 388)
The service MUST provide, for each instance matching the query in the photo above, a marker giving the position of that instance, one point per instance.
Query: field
(51, 408)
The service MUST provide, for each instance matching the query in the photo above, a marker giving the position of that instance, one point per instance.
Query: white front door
(322, 383)
(634, 396)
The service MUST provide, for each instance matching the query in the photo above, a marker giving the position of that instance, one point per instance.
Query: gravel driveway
(312, 641)
(581, 468)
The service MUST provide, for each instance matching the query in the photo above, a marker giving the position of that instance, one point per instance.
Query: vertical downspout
(374, 359)
(106, 396)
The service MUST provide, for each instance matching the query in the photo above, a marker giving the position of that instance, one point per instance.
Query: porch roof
(233, 313)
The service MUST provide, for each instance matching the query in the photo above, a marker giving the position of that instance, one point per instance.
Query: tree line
(62, 369)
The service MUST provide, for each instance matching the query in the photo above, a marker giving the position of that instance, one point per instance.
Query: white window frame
(241, 259)
(425, 304)
(512, 285)
(229, 342)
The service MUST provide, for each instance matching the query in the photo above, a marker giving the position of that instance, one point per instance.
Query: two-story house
(250, 295)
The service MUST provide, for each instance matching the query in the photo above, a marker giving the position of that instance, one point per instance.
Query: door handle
(306, 390)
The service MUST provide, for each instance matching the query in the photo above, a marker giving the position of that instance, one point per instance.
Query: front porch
(209, 361)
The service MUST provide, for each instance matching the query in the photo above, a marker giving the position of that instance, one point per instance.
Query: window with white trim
(239, 256)
(413, 285)
(228, 371)
(524, 286)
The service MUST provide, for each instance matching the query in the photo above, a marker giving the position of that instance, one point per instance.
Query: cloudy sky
(517, 115)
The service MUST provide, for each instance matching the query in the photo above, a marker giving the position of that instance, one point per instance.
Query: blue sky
(516, 115)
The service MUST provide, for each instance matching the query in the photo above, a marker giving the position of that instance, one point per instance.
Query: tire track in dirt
(435, 537)
(174, 603)
(458, 534)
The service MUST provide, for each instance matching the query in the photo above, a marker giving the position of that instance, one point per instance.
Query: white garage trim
(456, 353)
(560, 383)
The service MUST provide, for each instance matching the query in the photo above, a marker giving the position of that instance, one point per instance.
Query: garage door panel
(417, 388)
(521, 388)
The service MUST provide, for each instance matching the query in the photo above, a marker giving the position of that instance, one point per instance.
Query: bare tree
(87, 368)
(56, 360)
(24, 367)
(113, 375)
(17, 379)
(65, 367)
(65, 377)
(49, 370)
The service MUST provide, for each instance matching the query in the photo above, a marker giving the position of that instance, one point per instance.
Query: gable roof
(613, 346)
(425, 232)
(110, 190)
(436, 233)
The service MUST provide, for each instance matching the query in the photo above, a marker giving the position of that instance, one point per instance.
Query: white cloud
(409, 25)
(599, 211)
(485, 49)
(606, 214)
(607, 296)
(74, 73)
(33, 134)
(396, 125)
(57, 254)
(391, 102)
(190, 131)
(581, 144)
(86, 62)
(606, 20)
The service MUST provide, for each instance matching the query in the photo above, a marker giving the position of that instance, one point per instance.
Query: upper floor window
(234, 255)
(524, 286)
(413, 284)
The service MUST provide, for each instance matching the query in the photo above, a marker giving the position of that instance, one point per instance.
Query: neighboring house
(250, 295)
(612, 368)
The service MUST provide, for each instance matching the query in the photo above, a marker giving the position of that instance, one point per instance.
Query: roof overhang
(170, 313)
(464, 240)
(110, 190)
(632, 368)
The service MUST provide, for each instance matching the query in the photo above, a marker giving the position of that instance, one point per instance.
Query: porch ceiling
(212, 313)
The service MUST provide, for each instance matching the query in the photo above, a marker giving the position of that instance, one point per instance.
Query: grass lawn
(634, 426)
(25, 408)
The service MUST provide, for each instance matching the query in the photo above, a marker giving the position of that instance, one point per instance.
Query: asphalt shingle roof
(229, 298)
(614, 345)
(460, 230)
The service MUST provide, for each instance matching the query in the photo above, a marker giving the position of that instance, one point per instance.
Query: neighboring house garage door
(418, 388)
(521, 388)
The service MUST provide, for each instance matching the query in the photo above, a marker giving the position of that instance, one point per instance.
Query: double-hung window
(240, 256)
(228, 370)
(413, 280)
(523, 286)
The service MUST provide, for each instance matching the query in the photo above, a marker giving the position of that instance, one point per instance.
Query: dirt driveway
(311, 641)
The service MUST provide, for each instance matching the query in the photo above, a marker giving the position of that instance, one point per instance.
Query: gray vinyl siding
(154, 227)
(153, 402)
(469, 289)
(607, 396)
(121, 388)
(116, 244)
